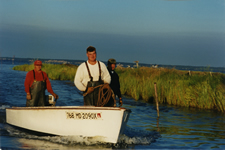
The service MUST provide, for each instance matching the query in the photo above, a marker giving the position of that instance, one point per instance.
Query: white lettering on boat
(83, 116)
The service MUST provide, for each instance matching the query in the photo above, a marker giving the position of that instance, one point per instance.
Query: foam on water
(138, 137)
(131, 137)
(3, 107)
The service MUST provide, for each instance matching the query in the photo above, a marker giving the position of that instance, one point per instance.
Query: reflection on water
(180, 127)
(26, 139)
(193, 128)
(175, 128)
(23, 143)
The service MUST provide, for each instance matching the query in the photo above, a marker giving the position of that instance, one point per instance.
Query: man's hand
(28, 96)
(55, 96)
(90, 90)
(120, 102)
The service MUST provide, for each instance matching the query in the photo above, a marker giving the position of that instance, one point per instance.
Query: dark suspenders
(35, 78)
(90, 73)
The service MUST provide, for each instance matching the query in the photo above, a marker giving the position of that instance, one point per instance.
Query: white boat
(102, 123)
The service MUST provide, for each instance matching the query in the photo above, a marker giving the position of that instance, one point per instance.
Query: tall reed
(54, 71)
(175, 87)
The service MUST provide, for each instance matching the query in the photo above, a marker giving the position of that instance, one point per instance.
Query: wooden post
(158, 124)
(210, 73)
(136, 63)
(157, 103)
(189, 73)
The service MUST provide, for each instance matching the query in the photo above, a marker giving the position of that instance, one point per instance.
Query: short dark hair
(91, 49)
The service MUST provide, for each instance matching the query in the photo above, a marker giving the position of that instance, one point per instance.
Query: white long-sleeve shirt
(82, 77)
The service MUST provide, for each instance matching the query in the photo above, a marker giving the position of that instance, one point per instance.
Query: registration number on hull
(82, 115)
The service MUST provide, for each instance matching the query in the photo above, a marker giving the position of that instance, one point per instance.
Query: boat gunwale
(69, 107)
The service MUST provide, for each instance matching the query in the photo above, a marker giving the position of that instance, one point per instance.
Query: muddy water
(175, 129)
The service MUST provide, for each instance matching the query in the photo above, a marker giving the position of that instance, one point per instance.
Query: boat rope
(104, 94)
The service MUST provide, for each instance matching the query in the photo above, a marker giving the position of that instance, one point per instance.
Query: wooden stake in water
(156, 96)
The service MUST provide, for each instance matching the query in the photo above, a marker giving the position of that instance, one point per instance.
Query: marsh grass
(174, 87)
(54, 71)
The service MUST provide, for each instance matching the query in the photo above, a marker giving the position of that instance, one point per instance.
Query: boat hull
(103, 123)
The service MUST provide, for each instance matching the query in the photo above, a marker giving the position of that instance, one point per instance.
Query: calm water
(175, 129)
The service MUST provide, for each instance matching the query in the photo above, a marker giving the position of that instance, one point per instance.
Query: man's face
(37, 67)
(113, 66)
(91, 56)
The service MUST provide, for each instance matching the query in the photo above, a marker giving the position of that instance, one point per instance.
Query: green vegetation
(54, 71)
(199, 89)
(203, 90)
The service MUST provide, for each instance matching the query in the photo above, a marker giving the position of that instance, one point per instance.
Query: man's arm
(105, 74)
(79, 78)
(118, 86)
(49, 86)
(48, 83)
(27, 82)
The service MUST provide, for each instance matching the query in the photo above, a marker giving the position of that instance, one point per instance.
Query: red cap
(38, 62)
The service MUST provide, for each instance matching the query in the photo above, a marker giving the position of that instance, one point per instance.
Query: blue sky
(169, 32)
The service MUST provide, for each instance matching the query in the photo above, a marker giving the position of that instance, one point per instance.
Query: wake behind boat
(104, 124)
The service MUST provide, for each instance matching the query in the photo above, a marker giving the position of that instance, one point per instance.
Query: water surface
(176, 128)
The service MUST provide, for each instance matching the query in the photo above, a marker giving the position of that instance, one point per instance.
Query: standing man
(35, 84)
(89, 76)
(115, 83)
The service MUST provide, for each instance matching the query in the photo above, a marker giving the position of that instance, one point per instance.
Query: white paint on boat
(102, 123)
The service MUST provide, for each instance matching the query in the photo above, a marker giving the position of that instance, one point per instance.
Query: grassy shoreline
(202, 90)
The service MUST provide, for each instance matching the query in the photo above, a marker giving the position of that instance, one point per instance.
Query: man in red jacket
(35, 84)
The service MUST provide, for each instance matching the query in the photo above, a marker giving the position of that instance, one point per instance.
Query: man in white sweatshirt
(89, 75)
